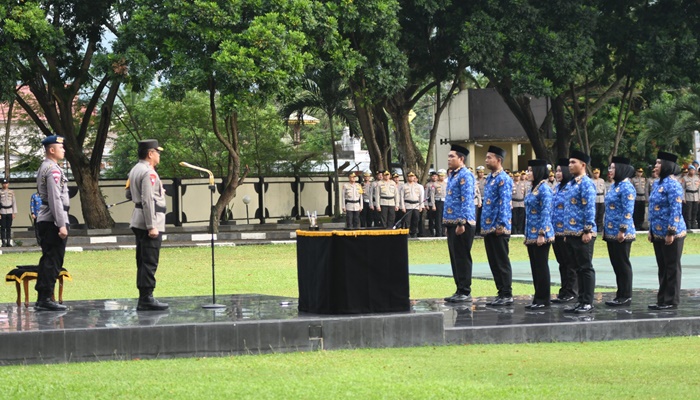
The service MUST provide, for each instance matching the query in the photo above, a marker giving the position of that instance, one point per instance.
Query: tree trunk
(8, 129)
(408, 151)
(336, 184)
(563, 129)
(92, 202)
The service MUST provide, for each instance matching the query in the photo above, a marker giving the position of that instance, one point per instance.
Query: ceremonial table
(353, 272)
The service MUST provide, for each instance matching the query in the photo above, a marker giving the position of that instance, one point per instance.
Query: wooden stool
(25, 273)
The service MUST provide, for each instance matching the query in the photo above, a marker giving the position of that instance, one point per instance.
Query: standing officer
(352, 201)
(376, 214)
(667, 231)
(399, 187)
(580, 229)
(8, 211)
(386, 200)
(366, 213)
(34, 207)
(567, 269)
(430, 203)
(145, 189)
(691, 184)
(459, 220)
(640, 185)
(412, 199)
(480, 181)
(601, 189)
(552, 181)
(518, 203)
(439, 201)
(52, 222)
(496, 224)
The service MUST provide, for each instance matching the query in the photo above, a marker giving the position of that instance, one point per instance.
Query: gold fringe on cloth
(381, 232)
(14, 276)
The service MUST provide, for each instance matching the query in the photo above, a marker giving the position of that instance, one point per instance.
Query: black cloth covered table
(353, 272)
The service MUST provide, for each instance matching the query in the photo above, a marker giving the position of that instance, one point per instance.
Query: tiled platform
(101, 330)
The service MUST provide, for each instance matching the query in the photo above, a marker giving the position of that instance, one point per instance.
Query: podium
(353, 272)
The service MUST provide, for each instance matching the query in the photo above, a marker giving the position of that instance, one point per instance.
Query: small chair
(22, 274)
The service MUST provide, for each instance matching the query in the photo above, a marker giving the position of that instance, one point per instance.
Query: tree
(56, 49)
(324, 91)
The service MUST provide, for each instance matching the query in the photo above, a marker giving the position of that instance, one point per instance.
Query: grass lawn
(656, 368)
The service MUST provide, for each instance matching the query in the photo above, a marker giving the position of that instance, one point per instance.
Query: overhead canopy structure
(296, 121)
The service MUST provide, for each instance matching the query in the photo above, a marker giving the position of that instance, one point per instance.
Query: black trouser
(518, 220)
(668, 260)
(352, 219)
(439, 207)
(411, 221)
(582, 256)
(478, 221)
(388, 214)
(567, 271)
(460, 248)
(421, 223)
(690, 214)
(620, 259)
(366, 219)
(432, 219)
(539, 265)
(147, 254)
(377, 215)
(497, 254)
(53, 251)
(6, 227)
(639, 208)
(397, 217)
(599, 215)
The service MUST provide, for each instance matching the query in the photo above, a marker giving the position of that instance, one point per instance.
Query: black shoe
(460, 298)
(561, 300)
(584, 308)
(618, 302)
(501, 301)
(572, 309)
(151, 304)
(662, 306)
(448, 299)
(536, 306)
(49, 305)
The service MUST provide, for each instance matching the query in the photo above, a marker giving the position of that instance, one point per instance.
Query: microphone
(211, 175)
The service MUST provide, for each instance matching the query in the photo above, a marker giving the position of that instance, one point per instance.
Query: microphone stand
(212, 188)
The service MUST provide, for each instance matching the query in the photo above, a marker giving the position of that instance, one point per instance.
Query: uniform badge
(56, 175)
(153, 179)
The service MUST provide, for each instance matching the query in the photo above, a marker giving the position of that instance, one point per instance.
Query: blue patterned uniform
(665, 209)
(558, 216)
(579, 209)
(35, 204)
(459, 202)
(619, 210)
(495, 209)
(538, 214)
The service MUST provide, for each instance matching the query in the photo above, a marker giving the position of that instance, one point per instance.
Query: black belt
(352, 201)
(387, 197)
(640, 195)
(156, 206)
(65, 208)
(600, 194)
(518, 199)
(411, 201)
(687, 191)
(11, 206)
(443, 200)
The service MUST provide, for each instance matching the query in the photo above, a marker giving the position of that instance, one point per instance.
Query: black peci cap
(579, 155)
(497, 151)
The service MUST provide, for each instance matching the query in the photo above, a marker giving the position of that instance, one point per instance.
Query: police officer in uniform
(399, 213)
(412, 199)
(352, 202)
(430, 203)
(518, 203)
(52, 222)
(145, 189)
(601, 189)
(8, 211)
(691, 184)
(376, 214)
(366, 219)
(440, 193)
(480, 180)
(496, 224)
(640, 185)
(386, 200)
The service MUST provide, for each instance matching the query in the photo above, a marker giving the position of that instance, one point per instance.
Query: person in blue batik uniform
(539, 233)
(567, 269)
(496, 223)
(580, 229)
(34, 207)
(618, 228)
(459, 219)
(667, 230)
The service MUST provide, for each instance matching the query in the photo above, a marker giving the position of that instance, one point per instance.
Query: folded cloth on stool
(21, 272)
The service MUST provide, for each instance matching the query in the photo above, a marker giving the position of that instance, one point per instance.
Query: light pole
(246, 201)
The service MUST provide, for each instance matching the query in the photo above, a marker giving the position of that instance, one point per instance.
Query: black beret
(497, 151)
(579, 155)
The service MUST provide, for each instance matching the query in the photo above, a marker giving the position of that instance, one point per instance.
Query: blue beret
(53, 139)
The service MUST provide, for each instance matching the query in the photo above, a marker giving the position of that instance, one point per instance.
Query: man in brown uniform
(386, 200)
(412, 199)
(8, 211)
(352, 201)
(691, 184)
(145, 189)
(640, 185)
(600, 190)
(480, 181)
(518, 204)
(366, 219)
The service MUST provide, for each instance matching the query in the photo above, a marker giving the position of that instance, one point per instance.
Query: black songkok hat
(563, 162)
(667, 156)
(537, 163)
(579, 155)
(459, 149)
(497, 151)
(145, 145)
(621, 160)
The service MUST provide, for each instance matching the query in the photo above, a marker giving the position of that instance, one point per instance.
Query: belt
(65, 208)
(439, 199)
(157, 207)
(387, 197)
(687, 191)
(518, 199)
(411, 201)
(11, 206)
(352, 201)
(600, 194)
(640, 195)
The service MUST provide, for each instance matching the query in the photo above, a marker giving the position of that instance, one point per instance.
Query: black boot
(148, 303)
(45, 303)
